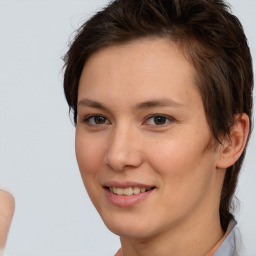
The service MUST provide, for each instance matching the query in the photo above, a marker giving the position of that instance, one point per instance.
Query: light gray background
(37, 161)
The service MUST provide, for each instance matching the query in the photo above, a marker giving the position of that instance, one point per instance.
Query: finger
(7, 204)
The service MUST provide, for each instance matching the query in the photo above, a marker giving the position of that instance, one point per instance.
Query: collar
(232, 244)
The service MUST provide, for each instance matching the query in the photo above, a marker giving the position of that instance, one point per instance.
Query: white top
(232, 245)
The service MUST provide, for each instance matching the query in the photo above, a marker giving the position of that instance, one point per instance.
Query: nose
(124, 150)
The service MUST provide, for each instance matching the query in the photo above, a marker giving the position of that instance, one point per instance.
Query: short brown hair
(209, 35)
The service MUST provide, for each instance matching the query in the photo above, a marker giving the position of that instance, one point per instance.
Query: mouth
(129, 191)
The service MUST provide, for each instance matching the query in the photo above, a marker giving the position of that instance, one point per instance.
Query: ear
(233, 146)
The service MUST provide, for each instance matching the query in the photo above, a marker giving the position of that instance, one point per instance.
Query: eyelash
(167, 120)
(87, 120)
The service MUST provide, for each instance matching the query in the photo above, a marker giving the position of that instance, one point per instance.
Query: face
(141, 140)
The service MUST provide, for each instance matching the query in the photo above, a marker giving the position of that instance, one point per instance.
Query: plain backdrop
(37, 160)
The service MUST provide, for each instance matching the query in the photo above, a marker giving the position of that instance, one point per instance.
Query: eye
(159, 120)
(96, 120)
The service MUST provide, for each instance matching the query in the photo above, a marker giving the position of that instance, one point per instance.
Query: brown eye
(96, 120)
(160, 120)
(99, 120)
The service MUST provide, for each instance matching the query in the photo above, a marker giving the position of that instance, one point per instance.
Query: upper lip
(126, 184)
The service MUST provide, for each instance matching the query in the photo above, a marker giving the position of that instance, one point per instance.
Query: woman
(161, 93)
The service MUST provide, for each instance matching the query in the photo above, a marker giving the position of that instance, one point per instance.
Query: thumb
(7, 204)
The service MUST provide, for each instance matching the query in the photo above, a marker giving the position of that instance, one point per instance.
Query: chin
(130, 227)
(130, 232)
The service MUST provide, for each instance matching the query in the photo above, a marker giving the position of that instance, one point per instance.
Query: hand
(7, 204)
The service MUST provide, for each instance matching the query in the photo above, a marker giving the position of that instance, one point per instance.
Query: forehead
(145, 68)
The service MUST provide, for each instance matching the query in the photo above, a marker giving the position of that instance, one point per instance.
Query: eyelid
(169, 118)
(87, 117)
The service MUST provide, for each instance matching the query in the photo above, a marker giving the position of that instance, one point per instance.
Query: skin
(6, 214)
(181, 215)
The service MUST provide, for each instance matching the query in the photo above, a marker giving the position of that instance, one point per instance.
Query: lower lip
(122, 200)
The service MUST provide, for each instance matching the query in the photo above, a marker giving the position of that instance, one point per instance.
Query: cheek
(89, 153)
(183, 166)
(174, 156)
(185, 174)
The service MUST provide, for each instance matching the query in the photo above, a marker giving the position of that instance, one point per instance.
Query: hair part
(209, 36)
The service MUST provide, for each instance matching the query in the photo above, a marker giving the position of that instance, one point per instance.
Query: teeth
(119, 191)
(136, 190)
(142, 189)
(127, 191)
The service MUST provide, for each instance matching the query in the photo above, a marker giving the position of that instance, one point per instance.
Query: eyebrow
(91, 103)
(163, 102)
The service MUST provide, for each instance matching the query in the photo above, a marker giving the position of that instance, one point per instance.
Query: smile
(127, 194)
(128, 191)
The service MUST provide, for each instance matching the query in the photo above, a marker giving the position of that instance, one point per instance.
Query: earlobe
(233, 146)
